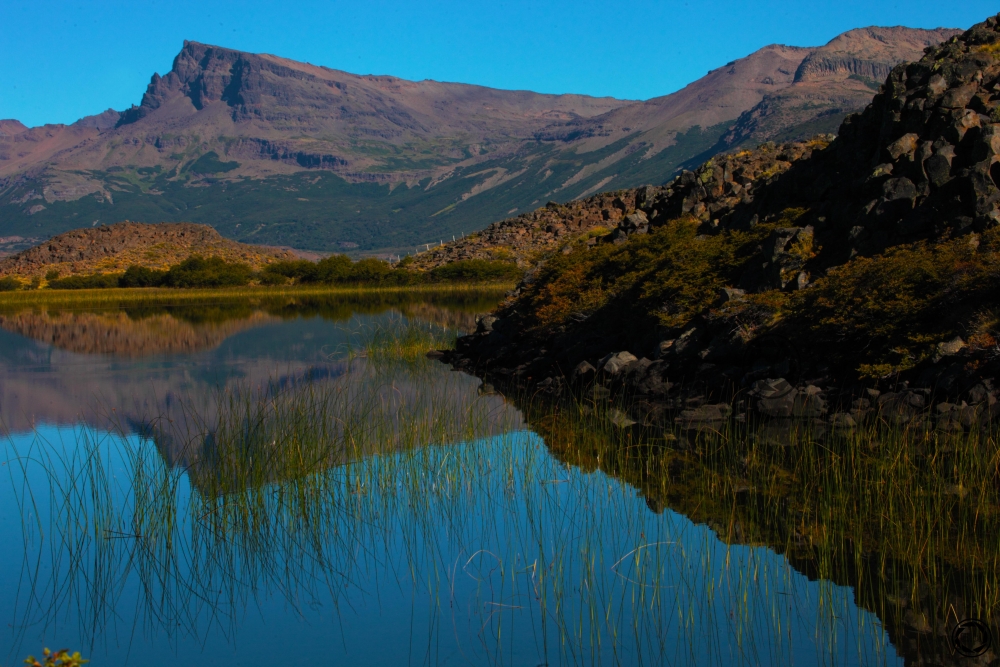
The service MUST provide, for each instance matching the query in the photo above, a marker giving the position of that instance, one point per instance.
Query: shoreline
(120, 295)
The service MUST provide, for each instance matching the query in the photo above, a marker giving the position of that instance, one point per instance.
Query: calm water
(296, 484)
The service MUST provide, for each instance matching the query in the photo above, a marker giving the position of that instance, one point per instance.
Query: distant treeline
(197, 271)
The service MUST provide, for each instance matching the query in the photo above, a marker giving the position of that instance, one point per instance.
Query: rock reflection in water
(123, 335)
(878, 511)
(311, 487)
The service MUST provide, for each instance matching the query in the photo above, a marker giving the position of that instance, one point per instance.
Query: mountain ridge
(272, 151)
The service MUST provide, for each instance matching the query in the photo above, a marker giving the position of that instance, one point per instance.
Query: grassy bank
(117, 297)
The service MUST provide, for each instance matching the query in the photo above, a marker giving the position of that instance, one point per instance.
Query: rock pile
(529, 236)
(114, 247)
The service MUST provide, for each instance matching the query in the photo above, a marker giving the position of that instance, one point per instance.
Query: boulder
(620, 419)
(484, 323)
(842, 421)
(616, 362)
(704, 414)
(774, 397)
(584, 373)
(949, 348)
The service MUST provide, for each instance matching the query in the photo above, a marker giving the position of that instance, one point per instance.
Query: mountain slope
(268, 150)
(795, 276)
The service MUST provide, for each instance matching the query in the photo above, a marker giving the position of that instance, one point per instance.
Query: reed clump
(909, 517)
(304, 487)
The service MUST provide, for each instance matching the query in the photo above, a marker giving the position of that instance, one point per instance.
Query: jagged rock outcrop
(829, 83)
(920, 162)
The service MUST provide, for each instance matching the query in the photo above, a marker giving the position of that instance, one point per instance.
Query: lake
(292, 481)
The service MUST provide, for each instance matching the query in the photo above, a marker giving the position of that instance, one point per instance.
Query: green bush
(369, 270)
(140, 276)
(476, 270)
(93, 281)
(9, 284)
(333, 269)
(299, 270)
(196, 271)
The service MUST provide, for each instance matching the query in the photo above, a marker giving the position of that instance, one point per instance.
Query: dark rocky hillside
(809, 278)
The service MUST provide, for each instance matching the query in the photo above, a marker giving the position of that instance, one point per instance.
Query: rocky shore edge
(950, 399)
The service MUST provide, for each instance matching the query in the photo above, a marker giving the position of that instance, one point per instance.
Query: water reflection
(309, 485)
(907, 519)
(138, 363)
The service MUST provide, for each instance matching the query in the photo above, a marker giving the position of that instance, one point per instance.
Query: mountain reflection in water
(139, 363)
(310, 485)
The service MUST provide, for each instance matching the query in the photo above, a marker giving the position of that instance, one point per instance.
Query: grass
(118, 297)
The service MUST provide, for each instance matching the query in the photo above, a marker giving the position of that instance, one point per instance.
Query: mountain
(855, 273)
(269, 150)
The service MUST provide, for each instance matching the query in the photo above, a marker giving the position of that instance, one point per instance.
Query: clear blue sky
(61, 60)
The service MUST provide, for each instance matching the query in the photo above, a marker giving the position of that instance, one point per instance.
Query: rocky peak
(11, 127)
(105, 120)
(209, 74)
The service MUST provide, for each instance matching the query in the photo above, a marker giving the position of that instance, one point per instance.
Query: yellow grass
(172, 295)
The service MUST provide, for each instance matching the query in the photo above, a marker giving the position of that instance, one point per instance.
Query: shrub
(333, 269)
(52, 275)
(884, 314)
(476, 270)
(369, 270)
(196, 271)
(279, 273)
(140, 276)
(9, 284)
(209, 163)
(60, 658)
(93, 281)
(668, 276)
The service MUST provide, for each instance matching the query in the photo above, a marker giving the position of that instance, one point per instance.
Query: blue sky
(61, 60)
